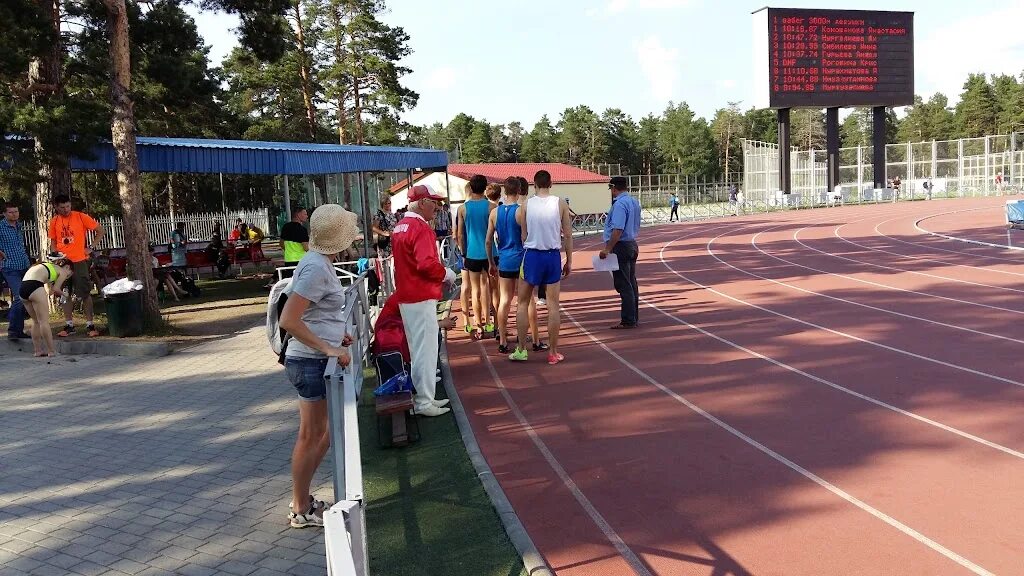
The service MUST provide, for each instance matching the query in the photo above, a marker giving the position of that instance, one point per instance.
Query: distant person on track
(621, 228)
(734, 199)
(674, 203)
(547, 229)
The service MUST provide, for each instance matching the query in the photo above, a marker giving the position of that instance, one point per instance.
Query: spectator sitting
(163, 277)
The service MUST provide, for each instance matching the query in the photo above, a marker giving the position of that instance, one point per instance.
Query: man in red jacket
(419, 276)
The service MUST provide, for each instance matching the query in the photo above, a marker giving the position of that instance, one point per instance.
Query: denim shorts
(307, 375)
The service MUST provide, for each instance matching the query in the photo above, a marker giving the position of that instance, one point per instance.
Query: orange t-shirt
(69, 234)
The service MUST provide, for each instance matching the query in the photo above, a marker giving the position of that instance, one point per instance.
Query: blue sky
(506, 61)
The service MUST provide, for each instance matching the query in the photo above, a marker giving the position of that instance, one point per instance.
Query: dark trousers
(675, 213)
(625, 280)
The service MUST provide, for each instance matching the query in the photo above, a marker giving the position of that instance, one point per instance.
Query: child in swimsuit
(56, 272)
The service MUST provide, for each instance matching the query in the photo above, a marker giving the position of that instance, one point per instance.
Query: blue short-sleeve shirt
(624, 215)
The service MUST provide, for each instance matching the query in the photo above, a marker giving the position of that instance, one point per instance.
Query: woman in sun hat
(314, 316)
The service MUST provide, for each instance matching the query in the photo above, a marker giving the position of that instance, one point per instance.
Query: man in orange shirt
(69, 233)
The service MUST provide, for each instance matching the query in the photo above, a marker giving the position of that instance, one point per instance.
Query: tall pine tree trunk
(54, 173)
(172, 198)
(122, 129)
(357, 108)
(304, 72)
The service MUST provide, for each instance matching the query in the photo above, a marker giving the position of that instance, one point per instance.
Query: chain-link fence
(990, 165)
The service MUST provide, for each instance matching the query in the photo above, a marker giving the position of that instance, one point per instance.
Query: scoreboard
(826, 58)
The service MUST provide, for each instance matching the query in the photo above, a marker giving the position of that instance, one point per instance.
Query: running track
(825, 392)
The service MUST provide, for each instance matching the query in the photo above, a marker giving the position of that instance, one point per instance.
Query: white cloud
(981, 41)
(660, 65)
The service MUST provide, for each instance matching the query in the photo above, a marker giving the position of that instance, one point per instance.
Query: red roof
(560, 173)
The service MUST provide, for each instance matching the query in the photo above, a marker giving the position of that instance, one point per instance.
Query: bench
(393, 421)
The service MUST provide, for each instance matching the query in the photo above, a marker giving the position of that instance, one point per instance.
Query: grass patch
(427, 512)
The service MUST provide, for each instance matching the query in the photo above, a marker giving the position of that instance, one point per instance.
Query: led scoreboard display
(827, 58)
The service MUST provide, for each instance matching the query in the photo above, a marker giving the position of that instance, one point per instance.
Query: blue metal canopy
(202, 156)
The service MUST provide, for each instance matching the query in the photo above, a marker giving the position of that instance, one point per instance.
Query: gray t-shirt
(315, 280)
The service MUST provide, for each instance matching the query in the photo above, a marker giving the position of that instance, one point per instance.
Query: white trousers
(420, 320)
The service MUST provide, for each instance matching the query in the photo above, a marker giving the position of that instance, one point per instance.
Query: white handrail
(345, 522)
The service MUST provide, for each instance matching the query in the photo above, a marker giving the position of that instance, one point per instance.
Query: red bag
(389, 332)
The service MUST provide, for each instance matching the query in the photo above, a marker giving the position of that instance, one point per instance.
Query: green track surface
(427, 513)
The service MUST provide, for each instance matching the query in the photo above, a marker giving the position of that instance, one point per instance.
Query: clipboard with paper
(609, 264)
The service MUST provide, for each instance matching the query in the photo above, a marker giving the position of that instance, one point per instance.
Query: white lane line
(868, 306)
(627, 554)
(878, 232)
(830, 330)
(917, 224)
(796, 236)
(936, 248)
(921, 538)
(830, 384)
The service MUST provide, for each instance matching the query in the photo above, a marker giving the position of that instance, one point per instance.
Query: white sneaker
(441, 403)
(310, 518)
(432, 410)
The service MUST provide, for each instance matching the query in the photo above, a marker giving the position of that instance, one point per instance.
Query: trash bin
(124, 313)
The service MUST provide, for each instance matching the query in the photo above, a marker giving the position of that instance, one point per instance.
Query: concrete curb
(112, 348)
(533, 561)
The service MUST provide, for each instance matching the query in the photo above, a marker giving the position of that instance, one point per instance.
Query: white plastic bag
(122, 286)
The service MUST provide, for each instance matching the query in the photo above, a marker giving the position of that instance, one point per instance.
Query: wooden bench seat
(393, 419)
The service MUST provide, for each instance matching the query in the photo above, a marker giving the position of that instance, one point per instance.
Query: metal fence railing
(345, 521)
(197, 227)
(985, 166)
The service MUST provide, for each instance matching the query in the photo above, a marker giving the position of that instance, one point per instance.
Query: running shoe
(488, 328)
(67, 331)
(519, 355)
(555, 358)
(539, 347)
(306, 519)
(503, 349)
(313, 503)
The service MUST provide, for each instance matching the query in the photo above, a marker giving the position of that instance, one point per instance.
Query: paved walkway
(176, 465)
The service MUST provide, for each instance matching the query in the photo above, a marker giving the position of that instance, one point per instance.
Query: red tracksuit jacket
(418, 269)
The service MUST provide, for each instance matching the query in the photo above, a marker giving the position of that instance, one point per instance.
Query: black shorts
(474, 265)
(28, 287)
(508, 273)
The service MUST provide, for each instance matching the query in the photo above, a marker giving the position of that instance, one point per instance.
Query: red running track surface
(813, 392)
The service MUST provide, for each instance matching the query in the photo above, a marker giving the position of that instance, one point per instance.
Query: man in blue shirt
(674, 203)
(621, 228)
(14, 263)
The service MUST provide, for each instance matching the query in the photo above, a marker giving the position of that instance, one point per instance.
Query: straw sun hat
(332, 229)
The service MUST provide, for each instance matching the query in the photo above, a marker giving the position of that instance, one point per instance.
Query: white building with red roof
(587, 192)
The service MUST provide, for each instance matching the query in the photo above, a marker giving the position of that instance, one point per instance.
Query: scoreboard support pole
(878, 146)
(832, 147)
(784, 151)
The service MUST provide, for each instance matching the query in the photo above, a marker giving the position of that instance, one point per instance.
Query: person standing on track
(621, 228)
(507, 262)
(674, 203)
(547, 228)
(472, 236)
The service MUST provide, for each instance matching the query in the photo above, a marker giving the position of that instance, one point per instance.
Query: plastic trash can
(124, 313)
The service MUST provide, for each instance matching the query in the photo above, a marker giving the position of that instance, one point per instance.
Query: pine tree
(728, 128)
(539, 145)
(647, 139)
(479, 146)
(976, 113)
